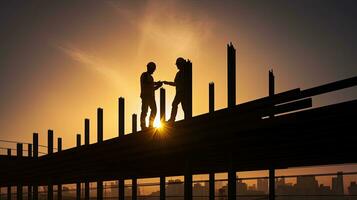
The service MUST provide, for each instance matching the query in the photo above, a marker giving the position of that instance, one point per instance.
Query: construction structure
(278, 131)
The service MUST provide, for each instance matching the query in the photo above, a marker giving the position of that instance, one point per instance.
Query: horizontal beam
(330, 87)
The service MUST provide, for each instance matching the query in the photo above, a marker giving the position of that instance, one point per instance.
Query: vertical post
(78, 139)
(232, 180)
(211, 97)
(188, 182)
(99, 140)
(29, 187)
(59, 186)
(162, 105)
(231, 72)
(19, 150)
(50, 151)
(121, 189)
(211, 186)
(86, 142)
(100, 190)
(59, 144)
(188, 89)
(121, 129)
(121, 117)
(35, 191)
(100, 125)
(35, 145)
(86, 190)
(50, 141)
(134, 189)
(35, 155)
(19, 185)
(9, 186)
(78, 184)
(29, 150)
(86, 131)
(271, 183)
(271, 170)
(162, 188)
(9, 192)
(271, 83)
(134, 121)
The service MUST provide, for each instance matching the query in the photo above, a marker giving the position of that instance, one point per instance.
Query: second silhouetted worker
(179, 83)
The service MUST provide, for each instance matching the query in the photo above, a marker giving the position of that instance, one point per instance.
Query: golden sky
(60, 61)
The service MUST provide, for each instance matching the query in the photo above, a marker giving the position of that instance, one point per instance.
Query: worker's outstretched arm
(157, 85)
(169, 83)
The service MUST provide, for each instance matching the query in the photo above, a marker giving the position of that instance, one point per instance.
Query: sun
(157, 123)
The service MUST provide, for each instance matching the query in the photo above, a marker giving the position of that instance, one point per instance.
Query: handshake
(160, 83)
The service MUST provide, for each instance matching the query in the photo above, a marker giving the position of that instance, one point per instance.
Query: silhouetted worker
(179, 83)
(148, 87)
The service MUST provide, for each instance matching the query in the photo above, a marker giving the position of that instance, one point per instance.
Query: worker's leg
(144, 110)
(184, 105)
(153, 109)
(175, 103)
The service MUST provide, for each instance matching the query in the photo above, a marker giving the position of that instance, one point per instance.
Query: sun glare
(157, 123)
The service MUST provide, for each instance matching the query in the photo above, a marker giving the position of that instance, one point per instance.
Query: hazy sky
(60, 60)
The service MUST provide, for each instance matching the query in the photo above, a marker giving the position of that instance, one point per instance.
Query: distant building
(252, 187)
(114, 191)
(200, 192)
(306, 185)
(352, 189)
(337, 184)
(242, 188)
(280, 182)
(263, 185)
(175, 189)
